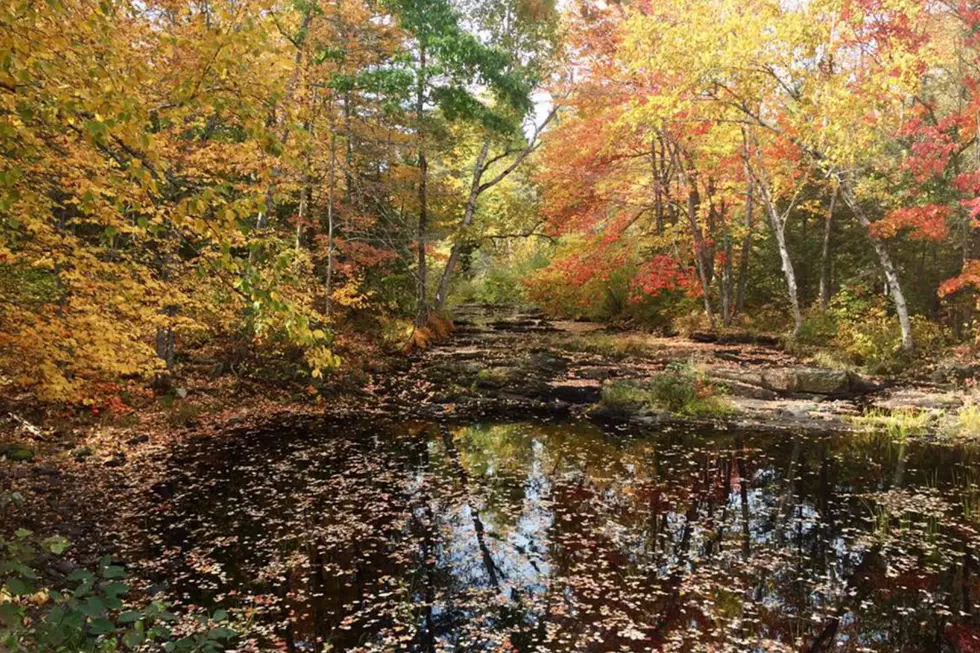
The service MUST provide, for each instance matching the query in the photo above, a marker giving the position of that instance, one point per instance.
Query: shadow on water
(560, 536)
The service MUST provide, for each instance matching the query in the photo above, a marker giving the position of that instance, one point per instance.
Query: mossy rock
(81, 453)
(17, 451)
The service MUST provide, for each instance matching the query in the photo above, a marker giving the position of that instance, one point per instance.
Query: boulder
(573, 392)
(792, 380)
(808, 380)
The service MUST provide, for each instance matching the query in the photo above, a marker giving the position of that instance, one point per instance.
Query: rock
(863, 385)
(812, 380)
(182, 393)
(920, 398)
(548, 362)
(807, 380)
(747, 377)
(117, 460)
(740, 389)
(575, 392)
(798, 411)
(139, 439)
(953, 372)
(780, 380)
(81, 453)
(598, 373)
(63, 566)
(793, 380)
(703, 336)
(17, 451)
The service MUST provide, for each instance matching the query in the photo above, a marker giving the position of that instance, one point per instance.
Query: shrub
(86, 612)
(680, 389)
(863, 332)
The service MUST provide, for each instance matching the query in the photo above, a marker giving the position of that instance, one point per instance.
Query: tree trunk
(693, 201)
(778, 224)
(779, 229)
(331, 189)
(891, 276)
(658, 206)
(348, 148)
(477, 187)
(743, 264)
(825, 253)
(726, 282)
(422, 305)
(468, 216)
(306, 195)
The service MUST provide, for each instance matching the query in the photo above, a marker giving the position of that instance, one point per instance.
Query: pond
(564, 536)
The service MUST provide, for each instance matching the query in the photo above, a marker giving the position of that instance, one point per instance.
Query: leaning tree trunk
(891, 275)
(468, 216)
(779, 229)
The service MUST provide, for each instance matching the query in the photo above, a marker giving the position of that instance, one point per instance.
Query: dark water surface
(563, 537)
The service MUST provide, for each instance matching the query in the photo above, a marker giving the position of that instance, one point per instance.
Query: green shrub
(86, 611)
(859, 330)
(680, 389)
(819, 329)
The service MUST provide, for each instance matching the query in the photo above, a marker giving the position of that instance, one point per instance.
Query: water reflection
(555, 537)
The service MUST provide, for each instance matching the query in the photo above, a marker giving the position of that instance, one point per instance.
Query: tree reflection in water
(538, 536)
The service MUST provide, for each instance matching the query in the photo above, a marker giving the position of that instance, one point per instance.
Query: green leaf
(220, 615)
(114, 588)
(133, 638)
(113, 571)
(94, 608)
(22, 533)
(101, 626)
(221, 633)
(56, 544)
(9, 614)
(129, 616)
(19, 587)
(83, 575)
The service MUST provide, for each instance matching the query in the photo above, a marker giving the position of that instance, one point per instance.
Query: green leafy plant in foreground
(86, 612)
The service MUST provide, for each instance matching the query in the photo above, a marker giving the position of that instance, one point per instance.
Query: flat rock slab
(798, 380)
(922, 399)
(575, 391)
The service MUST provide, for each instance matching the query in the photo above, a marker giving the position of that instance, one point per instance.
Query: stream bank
(504, 360)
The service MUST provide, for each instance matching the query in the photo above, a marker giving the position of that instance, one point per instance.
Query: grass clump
(966, 422)
(490, 378)
(898, 424)
(680, 389)
(617, 347)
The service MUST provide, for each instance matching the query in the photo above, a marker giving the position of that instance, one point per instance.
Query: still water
(536, 536)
